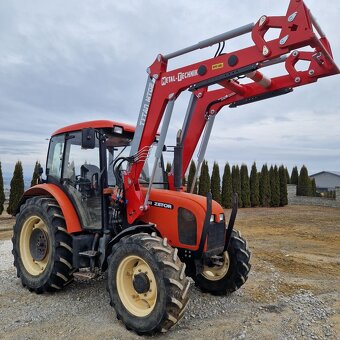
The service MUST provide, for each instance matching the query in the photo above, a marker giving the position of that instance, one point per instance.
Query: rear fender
(51, 190)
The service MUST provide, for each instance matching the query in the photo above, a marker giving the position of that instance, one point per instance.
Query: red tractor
(102, 207)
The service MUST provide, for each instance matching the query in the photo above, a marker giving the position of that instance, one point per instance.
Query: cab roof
(96, 124)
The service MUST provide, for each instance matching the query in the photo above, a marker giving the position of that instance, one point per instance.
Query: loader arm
(234, 94)
(164, 86)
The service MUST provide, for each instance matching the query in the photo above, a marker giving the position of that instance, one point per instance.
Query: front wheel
(42, 248)
(230, 270)
(147, 283)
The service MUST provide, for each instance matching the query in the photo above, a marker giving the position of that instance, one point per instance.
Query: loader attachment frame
(298, 29)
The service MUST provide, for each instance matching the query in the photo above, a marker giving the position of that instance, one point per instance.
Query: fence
(293, 199)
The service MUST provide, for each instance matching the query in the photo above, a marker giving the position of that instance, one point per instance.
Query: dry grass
(300, 243)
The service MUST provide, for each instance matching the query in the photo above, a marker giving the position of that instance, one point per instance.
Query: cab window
(55, 156)
(81, 179)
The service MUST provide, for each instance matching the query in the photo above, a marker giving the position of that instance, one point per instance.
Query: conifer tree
(236, 183)
(283, 186)
(294, 178)
(216, 183)
(304, 187)
(254, 187)
(191, 175)
(204, 181)
(264, 187)
(2, 192)
(227, 189)
(245, 187)
(36, 174)
(274, 186)
(17, 188)
(168, 167)
(287, 176)
(314, 194)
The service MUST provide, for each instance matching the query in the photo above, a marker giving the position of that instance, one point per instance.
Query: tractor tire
(42, 248)
(226, 278)
(147, 283)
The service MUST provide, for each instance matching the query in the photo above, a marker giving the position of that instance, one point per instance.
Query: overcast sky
(67, 61)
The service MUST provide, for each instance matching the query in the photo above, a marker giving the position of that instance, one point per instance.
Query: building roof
(336, 173)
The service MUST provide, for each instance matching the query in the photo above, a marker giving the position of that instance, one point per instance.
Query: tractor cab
(82, 161)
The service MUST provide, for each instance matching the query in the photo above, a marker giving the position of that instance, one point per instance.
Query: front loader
(102, 206)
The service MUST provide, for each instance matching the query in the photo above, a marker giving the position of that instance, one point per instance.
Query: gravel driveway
(277, 302)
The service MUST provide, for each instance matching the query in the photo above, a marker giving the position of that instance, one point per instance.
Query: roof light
(118, 129)
(212, 218)
(221, 217)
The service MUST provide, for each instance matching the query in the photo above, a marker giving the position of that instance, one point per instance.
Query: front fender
(66, 206)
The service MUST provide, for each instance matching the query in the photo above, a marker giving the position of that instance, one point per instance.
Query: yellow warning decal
(217, 66)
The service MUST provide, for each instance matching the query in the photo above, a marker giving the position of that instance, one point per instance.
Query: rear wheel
(230, 270)
(42, 248)
(147, 283)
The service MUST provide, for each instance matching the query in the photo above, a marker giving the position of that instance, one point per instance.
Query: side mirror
(88, 138)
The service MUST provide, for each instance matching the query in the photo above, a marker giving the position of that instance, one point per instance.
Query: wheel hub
(38, 244)
(136, 285)
(218, 269)
(141, 283)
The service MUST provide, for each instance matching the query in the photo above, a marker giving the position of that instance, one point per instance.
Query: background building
(326, 180)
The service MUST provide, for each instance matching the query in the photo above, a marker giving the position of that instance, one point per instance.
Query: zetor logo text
(161, 205)
(180, 76)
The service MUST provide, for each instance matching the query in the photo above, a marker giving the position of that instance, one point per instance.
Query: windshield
(120, 147)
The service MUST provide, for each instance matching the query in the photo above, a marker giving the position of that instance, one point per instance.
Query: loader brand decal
(180, 76)
(167, 80)
(217, 66)
(184, 75)
(161, 205)
(146, 104)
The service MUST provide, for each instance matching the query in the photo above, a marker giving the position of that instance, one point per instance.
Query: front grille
(216, 236)
(187, 227)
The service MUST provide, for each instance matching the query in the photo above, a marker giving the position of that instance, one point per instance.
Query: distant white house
(326, 180)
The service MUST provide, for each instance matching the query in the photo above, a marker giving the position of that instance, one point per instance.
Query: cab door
(81, 180)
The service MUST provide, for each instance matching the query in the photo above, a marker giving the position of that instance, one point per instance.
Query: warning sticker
(217, 66)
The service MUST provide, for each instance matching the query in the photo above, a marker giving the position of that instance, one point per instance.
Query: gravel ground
(275, 303)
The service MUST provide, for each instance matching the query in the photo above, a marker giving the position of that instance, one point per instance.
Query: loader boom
(298, 29)
(233, 94)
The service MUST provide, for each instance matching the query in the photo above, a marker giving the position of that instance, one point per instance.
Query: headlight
(118, 129)
(221, 217)
(212, 218)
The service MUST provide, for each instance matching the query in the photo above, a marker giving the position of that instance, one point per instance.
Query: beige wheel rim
(137, 303)
(217, 272)
(34, 267)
